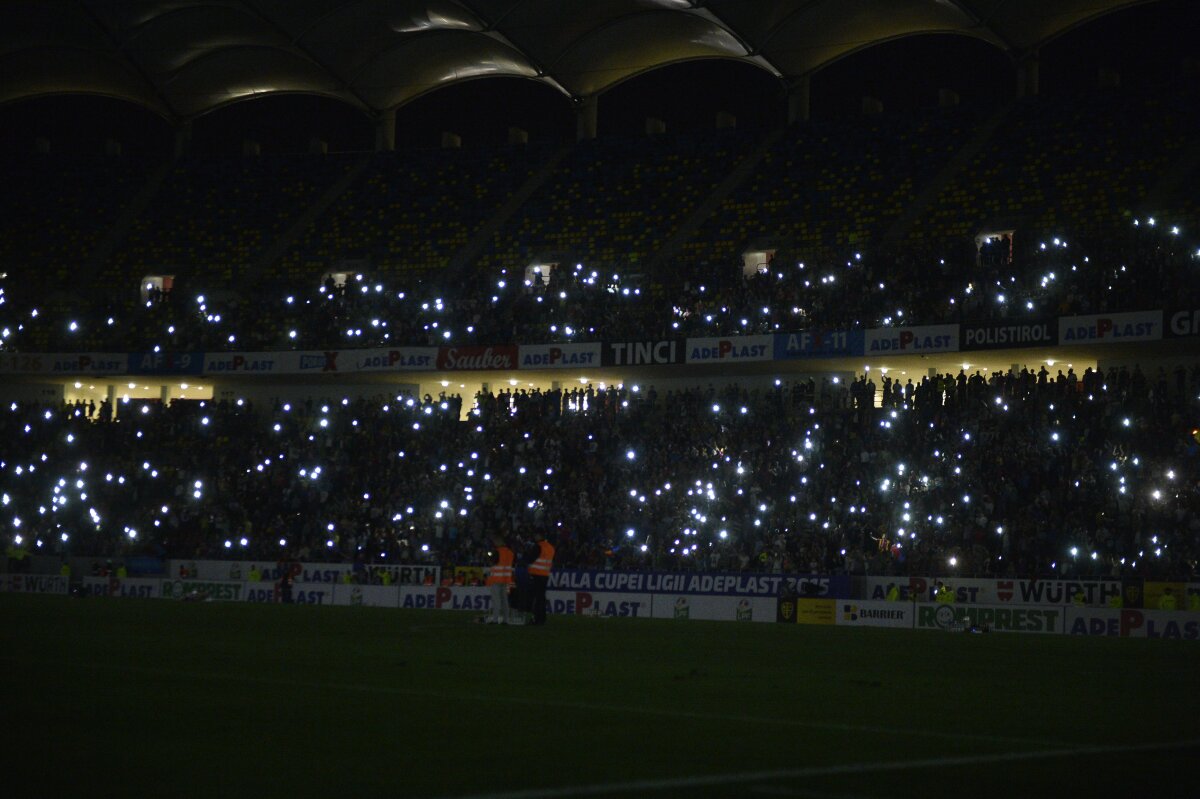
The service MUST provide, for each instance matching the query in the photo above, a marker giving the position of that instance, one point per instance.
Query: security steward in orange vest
(500, 581)
(539, 577)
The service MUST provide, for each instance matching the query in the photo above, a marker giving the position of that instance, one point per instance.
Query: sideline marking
(821, 771)
(588, 706)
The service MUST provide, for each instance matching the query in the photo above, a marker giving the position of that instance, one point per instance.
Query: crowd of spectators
(1027, 473)
(1146, 264)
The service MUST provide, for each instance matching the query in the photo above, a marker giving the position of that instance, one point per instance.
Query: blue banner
(166, 363)
(818, 344)
(712, 583)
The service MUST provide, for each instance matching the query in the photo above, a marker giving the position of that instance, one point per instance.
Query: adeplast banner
(33, 584)
(129, 588)
(992, 591)
(166, 363)
(588, 603)
(1017, 619)
(870, 613)
(1133, 623)
(643, 353)
(261, 363)
(559, 356)
(302, 593)
(396, 359)
(446, 597)
(719, 583)
(453, 359)
(731, 349)
(819, 344)
(1006, 335)
(375, 596)
(1113, 328)
(912, 340)
(76, 363)
(705, 607)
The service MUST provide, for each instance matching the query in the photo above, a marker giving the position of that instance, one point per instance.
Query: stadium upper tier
(867, 223)
(1026, 473)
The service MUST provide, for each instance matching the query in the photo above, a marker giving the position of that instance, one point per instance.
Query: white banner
(130, 587)
(302, 593)
(399, 359)
(376, 596)
(730, 349)
(992, 592)
(558, 356)
(1110, 328)
(446, 597)
(905, 340)
(870, 613)
(1133, 623)
(33, 584)
(706, 607)
(589, 603)
(76, 363)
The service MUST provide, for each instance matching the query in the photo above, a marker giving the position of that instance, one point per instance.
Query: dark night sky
(1146, 44)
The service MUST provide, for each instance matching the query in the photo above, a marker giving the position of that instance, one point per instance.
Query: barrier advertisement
(993, 592)
(1133, 623)
(870, 613)
(706, 607)
(33, 584)
(130, 587)
(993, 619)
(374, 596)
(815, 611)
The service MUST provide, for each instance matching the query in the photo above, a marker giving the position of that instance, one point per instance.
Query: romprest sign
(912, 340)
(994, 619)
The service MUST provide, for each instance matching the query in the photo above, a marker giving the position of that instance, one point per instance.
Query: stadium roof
(183, 58)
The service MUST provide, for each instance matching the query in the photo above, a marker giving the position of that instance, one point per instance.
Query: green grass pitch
(154, 698)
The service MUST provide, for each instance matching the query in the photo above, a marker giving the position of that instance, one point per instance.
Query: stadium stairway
(933, 189)
(483, 236)
(116, 235)
(709, 205)
(281, 245)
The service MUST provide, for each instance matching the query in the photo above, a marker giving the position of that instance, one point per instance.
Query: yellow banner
(815, 611)
(1153, 593)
